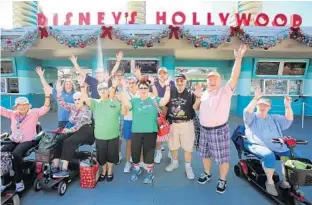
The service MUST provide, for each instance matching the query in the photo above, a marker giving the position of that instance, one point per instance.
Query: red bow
(174, 30)
(107, 31)
(295, 32)
(236, 30)
(43, 32)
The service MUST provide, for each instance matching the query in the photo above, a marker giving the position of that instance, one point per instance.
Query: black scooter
(251, 169)
(45, 179)
(9, 196)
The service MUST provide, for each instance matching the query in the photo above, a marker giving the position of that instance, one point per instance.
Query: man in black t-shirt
(180, 115)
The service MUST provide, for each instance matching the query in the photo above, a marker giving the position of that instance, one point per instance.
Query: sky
(200, 6)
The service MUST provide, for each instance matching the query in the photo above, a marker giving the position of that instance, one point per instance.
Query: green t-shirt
(144, 115)
(106, 118)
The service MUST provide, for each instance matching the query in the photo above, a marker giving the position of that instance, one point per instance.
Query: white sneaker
(131, 160)
(172, 166)
(169, 155)
(285, 185)
(158, 157)
(189, 173)
(127, 168)
(20, 186)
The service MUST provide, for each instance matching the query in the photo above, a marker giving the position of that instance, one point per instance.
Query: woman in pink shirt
(23, 131)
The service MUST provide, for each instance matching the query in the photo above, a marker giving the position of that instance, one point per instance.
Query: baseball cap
(265, 101)
(102, 86)
(213, 73)
(162, 69)
(21, 101)
(180, 76)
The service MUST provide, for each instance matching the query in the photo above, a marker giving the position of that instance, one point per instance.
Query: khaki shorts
(182, 135)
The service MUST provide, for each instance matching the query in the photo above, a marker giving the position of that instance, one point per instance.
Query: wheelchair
(249, 167)
(9, 194)
(45, 180)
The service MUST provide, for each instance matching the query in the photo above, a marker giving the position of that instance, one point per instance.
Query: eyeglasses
(131, 82)
(179, 80)
(143, 88)
(77, 99)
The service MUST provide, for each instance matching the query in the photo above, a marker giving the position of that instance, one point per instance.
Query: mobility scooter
(9, 196)
(45, 179)
(251, 169)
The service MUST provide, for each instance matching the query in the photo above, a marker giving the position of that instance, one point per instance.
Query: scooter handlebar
(284, 141)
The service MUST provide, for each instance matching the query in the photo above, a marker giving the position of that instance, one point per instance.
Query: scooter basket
(44, 157)
(300, 177)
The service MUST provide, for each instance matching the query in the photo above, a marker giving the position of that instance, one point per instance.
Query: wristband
(47, 96)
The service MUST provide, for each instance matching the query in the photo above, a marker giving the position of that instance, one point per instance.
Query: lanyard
(19, 121)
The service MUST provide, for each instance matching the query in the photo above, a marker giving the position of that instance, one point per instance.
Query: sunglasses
(77, 99)
(143, 88)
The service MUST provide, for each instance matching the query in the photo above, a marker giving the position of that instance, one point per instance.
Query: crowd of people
(109, 107)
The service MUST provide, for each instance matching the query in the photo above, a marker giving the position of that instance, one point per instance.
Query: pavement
(168, 188)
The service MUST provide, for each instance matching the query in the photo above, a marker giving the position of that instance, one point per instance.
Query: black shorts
(148, 142)
(107, 151)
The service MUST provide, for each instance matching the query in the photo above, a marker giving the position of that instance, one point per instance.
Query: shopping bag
(89, 173)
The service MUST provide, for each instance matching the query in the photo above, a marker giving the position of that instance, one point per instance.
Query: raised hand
(47, 90)
(73, 59)
(114, 82)
(197, 91)
(137, 71)
(81, 80)
(119, 56)
(241, 51)
(59, 87)
(39, 71)
(167, 83)
(151, 79)
(287, 101)
(258, 93)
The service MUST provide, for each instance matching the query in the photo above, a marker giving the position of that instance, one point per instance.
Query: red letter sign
(295, 20)
(116, 18)
(84, 19)
(242, 20)
(161, 18)
(209, 22)
(195, 22)
(101, 18)
(282, 17)
(224, 18)
(55, 19)
(265, 19)
(178, 13)
(42, 20)
(68, 16)
(133, 15)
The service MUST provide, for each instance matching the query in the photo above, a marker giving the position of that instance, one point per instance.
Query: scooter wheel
(16, 200)
(61, 188)
(37, 185)
(238, 170)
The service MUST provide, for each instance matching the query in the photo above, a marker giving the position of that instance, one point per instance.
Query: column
(307, 91)
(140, 8)
(25, 13)
(169, 63)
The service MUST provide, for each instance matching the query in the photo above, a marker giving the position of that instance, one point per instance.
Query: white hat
(213, 73)
(162, 69)
(265, 101)
(21, 101)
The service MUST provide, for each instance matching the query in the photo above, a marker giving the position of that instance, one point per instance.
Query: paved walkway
(168, 188)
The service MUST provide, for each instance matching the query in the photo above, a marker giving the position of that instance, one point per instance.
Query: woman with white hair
(77, 131)
(23, 132)
(67, 94)
(261, 128)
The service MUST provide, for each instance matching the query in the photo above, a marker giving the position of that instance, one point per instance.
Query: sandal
(110, 177)
(102, 177)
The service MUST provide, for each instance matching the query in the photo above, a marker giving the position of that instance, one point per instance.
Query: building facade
(25, 13)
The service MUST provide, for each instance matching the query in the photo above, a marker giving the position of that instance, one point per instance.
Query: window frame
(6, 80)
(14, 73)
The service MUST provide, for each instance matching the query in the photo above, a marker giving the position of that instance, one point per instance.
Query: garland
(141, 41)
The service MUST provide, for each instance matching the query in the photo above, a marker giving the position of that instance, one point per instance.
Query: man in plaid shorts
(214, 111)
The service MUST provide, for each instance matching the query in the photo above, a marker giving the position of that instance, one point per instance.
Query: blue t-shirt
(262, 130)
(161, 90)
(93, 83)
(62, 114)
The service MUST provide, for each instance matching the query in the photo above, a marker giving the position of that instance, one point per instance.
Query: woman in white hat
(23, 132)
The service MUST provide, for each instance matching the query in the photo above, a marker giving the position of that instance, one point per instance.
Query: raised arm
(197, 94)
(154, 89)
(5, 112)
(83, 90)
(289, 114)
(239, 54)
(253, 103)
(163, 101)
(118, 60)
(46, 107)
(63, 104)
(137, 72)
(44, 83)
(74, 61)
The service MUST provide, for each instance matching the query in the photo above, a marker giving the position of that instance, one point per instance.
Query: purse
(163, 124)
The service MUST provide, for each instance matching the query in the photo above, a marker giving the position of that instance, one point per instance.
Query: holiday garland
(140, 41)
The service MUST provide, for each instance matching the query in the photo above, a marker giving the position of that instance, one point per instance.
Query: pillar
(140, 8)
(25, 13)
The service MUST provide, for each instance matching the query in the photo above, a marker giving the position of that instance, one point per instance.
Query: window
(276, 87)
(125, 65)
(9, 85)
(7, 67)
(267, 68)
(3, 85)
(294, 68)
(148, 66)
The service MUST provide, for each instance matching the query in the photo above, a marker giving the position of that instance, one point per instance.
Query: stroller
(250, 168)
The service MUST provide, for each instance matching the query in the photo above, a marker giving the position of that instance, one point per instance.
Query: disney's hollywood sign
(177, 18)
